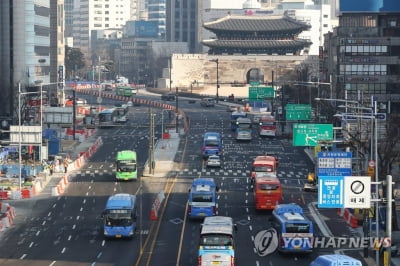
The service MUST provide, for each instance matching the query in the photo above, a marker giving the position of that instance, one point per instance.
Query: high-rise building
(91, 15)
(361, 56)
(183, 22)
(157, 12)
(31, 48)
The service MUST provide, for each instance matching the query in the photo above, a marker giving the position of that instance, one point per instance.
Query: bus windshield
(243, 125)
(216, 240)
(118, 217)
(126, 165)
(202, 197)
(268, 186)
(297, 228)
(105, 117)
(211, 142)
(268, 123)
(263, 168)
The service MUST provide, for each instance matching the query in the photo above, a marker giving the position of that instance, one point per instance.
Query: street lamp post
(162, 122)
(374, 136)
(217, 61)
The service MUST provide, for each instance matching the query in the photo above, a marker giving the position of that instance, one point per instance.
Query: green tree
(74, 61)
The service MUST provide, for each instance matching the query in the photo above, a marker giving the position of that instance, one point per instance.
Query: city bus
(121, 113)
(119, 216)
(126, 165)
(263, 164)
(295, 230)
(217, 247)
(267, 192)
(243, 129)
(202, 198)
(235, 115)
(108, 118)
(335, 260)
(267, 126)
(212, 144)
(123, 91)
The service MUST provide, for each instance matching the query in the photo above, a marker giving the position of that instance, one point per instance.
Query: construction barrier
(348, 217)
(156, 206)
(7, 216)
(4, 195)
(26, 193)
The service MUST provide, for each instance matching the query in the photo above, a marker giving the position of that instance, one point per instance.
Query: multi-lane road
(67, 230)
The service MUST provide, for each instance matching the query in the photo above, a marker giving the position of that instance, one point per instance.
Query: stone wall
(198, 72)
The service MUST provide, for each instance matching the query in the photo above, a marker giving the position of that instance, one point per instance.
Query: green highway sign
(254, 83)
(311, 134)
(298, 112)
(260, 93)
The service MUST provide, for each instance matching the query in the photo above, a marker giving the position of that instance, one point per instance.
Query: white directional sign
(357, 192)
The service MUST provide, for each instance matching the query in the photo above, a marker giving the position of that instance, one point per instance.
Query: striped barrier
(77, 164)
(7, 216)
(348, 217)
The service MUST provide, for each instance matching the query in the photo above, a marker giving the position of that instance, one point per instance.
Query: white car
(130, 103)
(214, 161)
(81, 101)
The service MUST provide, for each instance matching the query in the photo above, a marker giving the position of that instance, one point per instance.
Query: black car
(169, 96)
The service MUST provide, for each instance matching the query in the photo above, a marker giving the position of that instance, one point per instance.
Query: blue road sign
(334, 163)
(330, 191)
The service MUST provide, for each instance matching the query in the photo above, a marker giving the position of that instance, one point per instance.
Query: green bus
(126, 165)
(124, 91)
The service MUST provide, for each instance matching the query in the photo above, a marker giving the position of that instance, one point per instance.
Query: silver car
(214, 161)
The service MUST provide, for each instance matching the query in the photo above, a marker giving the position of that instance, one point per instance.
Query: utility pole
(151, 142)
(73, 114)
(170, 74)
(176, 110)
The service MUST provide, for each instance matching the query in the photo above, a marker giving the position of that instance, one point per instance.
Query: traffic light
(5, 128)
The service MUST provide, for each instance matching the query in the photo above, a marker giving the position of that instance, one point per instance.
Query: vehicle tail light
(232, 261)
(282, 242)
(199, 260)
(215, 209)
(189, 209)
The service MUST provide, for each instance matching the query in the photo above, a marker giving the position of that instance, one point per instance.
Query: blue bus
(295, 230)
(212, 144)
(120, 215)
(335, 259)
(108, 118)
(235, 115)
(202, 198)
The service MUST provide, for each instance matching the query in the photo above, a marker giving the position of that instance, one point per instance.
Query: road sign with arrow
(311, 134)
